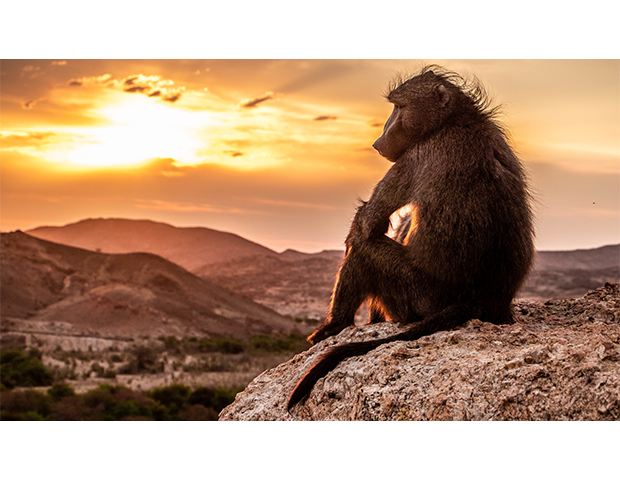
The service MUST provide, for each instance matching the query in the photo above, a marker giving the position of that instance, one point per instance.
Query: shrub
(25, 405)
(172, 397)
(60, 390)
(197, 413)
(276, 344)
(215, 398)
(172, 343)
(223, 345)
(144, 361)
(18, 369)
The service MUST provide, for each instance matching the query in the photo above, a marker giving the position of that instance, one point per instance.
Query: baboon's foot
(324, 331)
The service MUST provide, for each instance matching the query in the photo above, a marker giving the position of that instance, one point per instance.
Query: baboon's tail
(450, 317)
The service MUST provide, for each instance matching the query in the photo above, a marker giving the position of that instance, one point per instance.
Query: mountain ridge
(120, 294)
(189, 247)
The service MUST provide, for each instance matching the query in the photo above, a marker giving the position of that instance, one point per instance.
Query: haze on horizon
(278, 151)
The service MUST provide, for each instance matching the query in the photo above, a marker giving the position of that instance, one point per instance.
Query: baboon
(471, 244)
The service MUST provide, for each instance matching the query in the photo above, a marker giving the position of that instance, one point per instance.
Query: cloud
(253, 102)
(32, 70)
(25, 139)
(320, 118)
(172, 98)
(29, 105)
(149, 85)
(60, 62)
(233, 153)
(101, 80)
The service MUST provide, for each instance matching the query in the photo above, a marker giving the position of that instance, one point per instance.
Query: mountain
(596, 258)
(295, 283)
(300, 284)
(133, 294)
(191, 248)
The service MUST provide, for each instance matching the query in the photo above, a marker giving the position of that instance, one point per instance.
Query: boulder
(560, 360)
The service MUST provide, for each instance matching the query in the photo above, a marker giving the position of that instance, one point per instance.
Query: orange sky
(278, 151)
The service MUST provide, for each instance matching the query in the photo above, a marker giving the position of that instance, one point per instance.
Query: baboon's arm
(391, 193)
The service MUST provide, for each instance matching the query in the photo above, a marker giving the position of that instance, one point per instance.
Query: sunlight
(141, 130)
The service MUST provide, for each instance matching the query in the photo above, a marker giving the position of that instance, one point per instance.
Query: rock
(560, 360)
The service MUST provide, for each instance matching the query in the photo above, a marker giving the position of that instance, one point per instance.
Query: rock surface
(560, 360)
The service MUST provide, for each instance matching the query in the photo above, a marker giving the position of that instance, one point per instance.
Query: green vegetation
(222, 345)
(18, 369)
(307, 321)
(108, 402)
(22, 368)
(291, 343)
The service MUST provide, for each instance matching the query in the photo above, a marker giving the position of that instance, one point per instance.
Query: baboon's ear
(442, 95)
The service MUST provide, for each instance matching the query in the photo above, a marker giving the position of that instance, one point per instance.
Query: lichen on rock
(560, 360)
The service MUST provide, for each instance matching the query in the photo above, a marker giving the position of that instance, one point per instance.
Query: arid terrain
(299, 284)
(115, 289)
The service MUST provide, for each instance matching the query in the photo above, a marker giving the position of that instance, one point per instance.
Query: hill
(292, 283)
(590, 259)
(295, 283)
(190, 248)
(62, 288)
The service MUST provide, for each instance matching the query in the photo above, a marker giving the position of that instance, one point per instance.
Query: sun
(137, 130)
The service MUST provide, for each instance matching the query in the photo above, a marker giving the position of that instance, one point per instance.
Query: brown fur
(473, 241)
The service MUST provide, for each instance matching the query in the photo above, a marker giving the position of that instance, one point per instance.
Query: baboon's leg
(377, 268)
(375, 312)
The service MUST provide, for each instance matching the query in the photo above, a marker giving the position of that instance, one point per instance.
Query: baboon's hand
(326, 330)
(359, 231)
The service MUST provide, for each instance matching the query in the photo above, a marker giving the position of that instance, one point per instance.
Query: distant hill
(596, 258)
(190, 248)
(120, 294)
(300, 284)
(295, 283)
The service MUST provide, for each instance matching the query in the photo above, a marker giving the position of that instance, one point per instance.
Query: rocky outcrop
(560, 360)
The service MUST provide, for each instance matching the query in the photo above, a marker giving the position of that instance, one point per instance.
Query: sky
(279, 151)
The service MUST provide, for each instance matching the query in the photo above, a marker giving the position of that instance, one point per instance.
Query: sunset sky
(278, 151)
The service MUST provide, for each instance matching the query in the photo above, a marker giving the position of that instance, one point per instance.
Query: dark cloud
(172, 98)
(136, 88)
(253, 102)
(29, 104)
(320, 118)
(105, 79)
(130, 80)
(233, 153)
(150, 85)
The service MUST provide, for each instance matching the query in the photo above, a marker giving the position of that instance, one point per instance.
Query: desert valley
(146, 305)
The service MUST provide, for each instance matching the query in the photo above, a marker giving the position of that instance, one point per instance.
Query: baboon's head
(423, 104)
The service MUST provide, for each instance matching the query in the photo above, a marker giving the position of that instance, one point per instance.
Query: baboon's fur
(473, 241)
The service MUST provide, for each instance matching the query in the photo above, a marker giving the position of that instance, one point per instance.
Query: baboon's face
(420, 107)
(394, 141)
